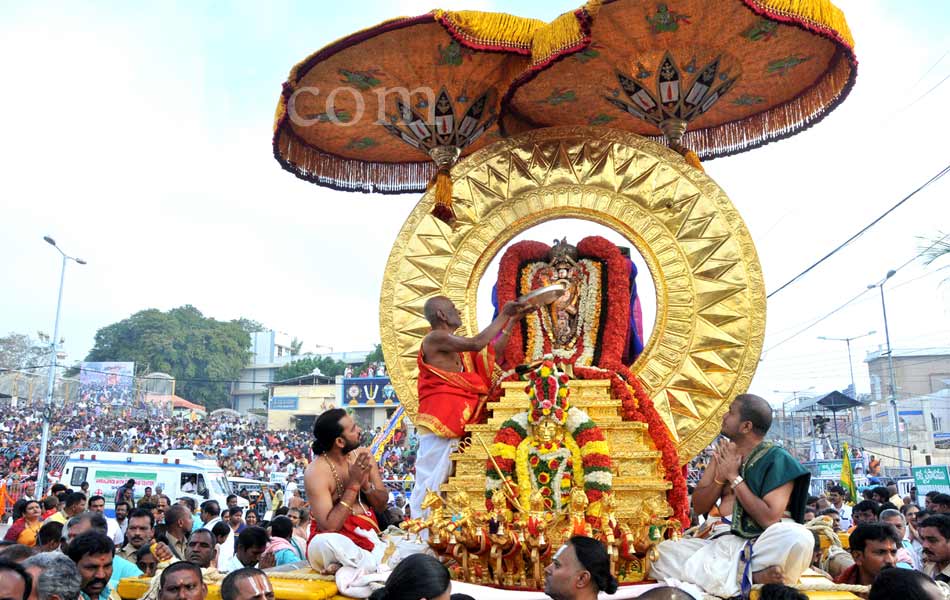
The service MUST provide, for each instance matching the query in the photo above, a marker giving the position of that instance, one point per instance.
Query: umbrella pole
(834, 417)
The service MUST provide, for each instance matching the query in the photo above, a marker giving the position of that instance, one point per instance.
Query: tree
(18, 351)
(305, 366)
(295, 347)
(204, 355)
(937, 249)
(376, 356)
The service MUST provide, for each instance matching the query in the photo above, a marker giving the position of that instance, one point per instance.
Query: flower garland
(509, 275)
(585, 458)
(615, 291)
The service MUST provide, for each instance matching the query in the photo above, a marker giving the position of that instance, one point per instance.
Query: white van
(172, 471)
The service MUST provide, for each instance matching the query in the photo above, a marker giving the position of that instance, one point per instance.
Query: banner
(369, 391)
(383, 437)
(107, 383)
(934, 478)
(105, 483)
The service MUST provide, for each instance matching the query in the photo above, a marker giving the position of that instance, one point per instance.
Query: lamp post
(794, 394)
(890, 367)
(854, 389)
(48, 407)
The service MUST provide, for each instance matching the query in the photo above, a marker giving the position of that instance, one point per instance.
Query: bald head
(757, 411)
(665, 593)
(437, 310)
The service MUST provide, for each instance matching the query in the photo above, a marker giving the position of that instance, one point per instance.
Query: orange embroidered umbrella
(392, 108)
(715, 77)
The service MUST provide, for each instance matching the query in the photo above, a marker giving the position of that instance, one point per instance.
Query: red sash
(449, 401)
(366, 520)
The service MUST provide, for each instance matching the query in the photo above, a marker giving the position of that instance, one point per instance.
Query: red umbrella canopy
(731, 74)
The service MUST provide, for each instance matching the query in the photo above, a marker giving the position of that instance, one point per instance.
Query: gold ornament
(710, 320)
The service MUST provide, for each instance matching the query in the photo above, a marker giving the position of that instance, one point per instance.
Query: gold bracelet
(719, 482)
(347, 505)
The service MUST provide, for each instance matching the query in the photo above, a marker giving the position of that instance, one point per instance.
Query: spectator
(178, 523)
(235, 521)
(93, 552)
(809, 515)
(75, 504)
(874, 547)
(82, 523)
(50, 506)
(940, 504)
(147, 498)
(202, 548)
(300, 517)
(417, 576)
(249, 551)
(904, 584)
(16, 552)
(140, 533)
(928, 499)
(250, 519)
(121, 567)
(210, 513)
(580, 569)
(55, 576)
(281, 544)
(935, 535)
(182, 581)
(865, 512)
(664, 592)
(122, 510)
(905, 552)
(775, 591)
(146, 561)
(25, 529)
(15, 582)
(247, 584)
(98, 504)
(49, 537)
(838, 497)
(835, 517)
(125, 492)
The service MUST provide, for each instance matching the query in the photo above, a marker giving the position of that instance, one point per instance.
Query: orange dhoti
(448, 402)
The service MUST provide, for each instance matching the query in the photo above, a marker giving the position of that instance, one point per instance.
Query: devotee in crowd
(418, 576)
(905, 584)
(178, 525)
(906, 556)
(866, 511)
(835, 517)
(450, 395)
(935, 535)
(250, 519)
(146, 498)
(776, 591)
(93, 552)
(182, 581)
(49, 537)
(838, 497)
(210, 513)
(249, 551)
(75, 504)
(940, 504)
(16, 552)
(114, 531)
(282, 545)
(141, 532)
(202, 548)
(874, 547)
(579, 570)
(665, 592)
(55, 576)
(247, 584)
(765, 490)
(25, 529)
(15, 582)
(146, 561)
(300, 517)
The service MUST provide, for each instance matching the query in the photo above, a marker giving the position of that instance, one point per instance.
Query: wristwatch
(737, 481)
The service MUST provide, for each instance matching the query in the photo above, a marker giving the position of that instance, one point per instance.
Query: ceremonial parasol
(716, 78)
(390, 109)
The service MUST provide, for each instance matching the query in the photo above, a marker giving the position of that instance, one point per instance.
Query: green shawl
(766, 468)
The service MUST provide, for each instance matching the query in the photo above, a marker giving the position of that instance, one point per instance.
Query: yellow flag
(847, 475)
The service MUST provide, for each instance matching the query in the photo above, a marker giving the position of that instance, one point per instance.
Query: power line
(861, 232)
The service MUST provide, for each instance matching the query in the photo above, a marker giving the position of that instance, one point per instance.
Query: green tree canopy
(305, 366)
(204, 355)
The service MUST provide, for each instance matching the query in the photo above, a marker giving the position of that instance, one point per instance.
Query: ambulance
(179, 473)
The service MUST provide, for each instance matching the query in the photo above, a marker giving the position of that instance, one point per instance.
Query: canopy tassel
(445, 157)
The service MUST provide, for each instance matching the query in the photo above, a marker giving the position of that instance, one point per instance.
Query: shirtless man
(455, 375)
(344, 486)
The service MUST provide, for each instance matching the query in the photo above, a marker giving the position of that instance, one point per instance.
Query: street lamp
(794, 394)
(854, 389)
(890, 367)
(48, 408)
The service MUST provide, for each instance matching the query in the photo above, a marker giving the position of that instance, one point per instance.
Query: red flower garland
(613, 335)
(509, 274)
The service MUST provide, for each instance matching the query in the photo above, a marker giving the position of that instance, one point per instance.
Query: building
(922, 393)
(295, 404)
(271, 350)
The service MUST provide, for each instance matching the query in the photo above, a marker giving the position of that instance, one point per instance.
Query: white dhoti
(360, 571)
(713, 564)
(433, 466)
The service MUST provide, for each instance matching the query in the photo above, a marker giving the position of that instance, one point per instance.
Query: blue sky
(138, 136)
